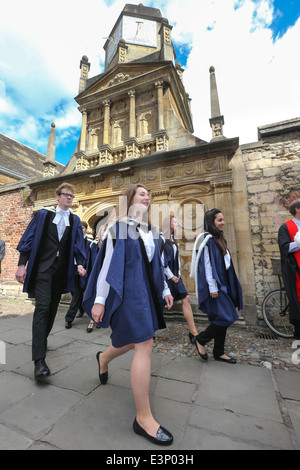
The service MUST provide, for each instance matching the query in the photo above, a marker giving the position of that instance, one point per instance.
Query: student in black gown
(171, 262)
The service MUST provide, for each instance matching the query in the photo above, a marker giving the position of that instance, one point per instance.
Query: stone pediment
(115, 79)
(192, 190)
(118, 77)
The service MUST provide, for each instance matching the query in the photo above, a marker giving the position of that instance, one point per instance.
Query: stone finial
(49, 164)
(217, 120)
(51, 145)
(84, 67)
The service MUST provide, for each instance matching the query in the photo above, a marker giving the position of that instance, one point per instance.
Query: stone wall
(272, 168)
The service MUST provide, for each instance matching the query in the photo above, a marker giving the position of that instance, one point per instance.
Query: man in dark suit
(46, 266)
(80, 284)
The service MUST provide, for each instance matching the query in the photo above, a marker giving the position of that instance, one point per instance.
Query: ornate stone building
(137, 128)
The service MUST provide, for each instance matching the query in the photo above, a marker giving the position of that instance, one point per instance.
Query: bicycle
(275, 307)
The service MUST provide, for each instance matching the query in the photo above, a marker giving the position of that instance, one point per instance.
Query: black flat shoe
(203, 356)
(163, 437)
(68, 325)
(102, 377)
(41, 370)
(229, 361)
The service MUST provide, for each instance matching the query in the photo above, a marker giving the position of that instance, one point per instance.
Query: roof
(21, 161)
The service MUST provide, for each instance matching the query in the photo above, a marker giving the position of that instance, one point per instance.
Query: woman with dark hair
(171, 262)
(217, 286)
(126, 291)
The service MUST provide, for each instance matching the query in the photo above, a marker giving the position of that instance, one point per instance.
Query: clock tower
(144, 33)
(139, 105)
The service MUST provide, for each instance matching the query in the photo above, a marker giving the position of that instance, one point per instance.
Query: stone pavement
(206, 406)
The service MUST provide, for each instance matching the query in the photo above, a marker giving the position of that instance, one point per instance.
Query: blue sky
(251, 43)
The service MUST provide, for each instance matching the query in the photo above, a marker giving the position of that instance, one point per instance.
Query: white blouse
(102, 287)
(212, 283)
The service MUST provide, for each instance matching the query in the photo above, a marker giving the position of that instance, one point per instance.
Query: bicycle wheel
(275, 309)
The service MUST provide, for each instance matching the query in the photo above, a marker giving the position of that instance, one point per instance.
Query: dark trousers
(218, 334)
(47, 290)
(76, 302)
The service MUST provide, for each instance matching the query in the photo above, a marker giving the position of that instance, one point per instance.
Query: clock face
(139, 31)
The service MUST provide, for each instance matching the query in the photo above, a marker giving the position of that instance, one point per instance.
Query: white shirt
(212, 283)
(102, 287)
(61, 220)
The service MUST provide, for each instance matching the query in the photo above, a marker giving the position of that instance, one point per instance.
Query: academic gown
(134, 306)
(30, 242)
(221, 310)
(178, 290)
(289, 269)
(87, 264)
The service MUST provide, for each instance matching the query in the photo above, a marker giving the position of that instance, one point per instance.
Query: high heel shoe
(90, 327)
(102, 377)
(191, 336)
(163, 436)
(203, 356)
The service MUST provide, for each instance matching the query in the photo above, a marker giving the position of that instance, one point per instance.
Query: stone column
(223, 201)
(83, 131)
(160, 109)
(106, 104)
(132, 122)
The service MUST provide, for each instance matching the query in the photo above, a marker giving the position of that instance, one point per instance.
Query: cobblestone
(248, 345)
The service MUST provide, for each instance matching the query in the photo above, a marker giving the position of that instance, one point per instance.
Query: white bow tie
(60, 214)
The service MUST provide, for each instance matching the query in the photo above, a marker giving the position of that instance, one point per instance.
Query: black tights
(218, 334)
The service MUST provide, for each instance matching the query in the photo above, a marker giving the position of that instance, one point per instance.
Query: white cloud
(41, 46)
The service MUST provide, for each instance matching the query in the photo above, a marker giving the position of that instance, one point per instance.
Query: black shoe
(90, 327)
(68, 325)
(191, 337)
(163, 437)
(203, 356)
(80, 314)
(102, 377)
(223, 359)
(41, 370)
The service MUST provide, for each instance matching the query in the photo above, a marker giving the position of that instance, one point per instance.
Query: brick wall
(15, 214)
(273, 181)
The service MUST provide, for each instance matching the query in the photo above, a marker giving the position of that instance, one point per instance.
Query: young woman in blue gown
(217, 286)
(127, 291)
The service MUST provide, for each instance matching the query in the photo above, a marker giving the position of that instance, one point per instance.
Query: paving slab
(206, 405)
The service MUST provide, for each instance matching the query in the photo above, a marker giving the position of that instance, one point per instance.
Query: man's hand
(21, 274)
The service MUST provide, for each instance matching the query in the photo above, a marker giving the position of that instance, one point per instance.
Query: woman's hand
(81, 271)
(98, 311)
(214, 295)
(175, 279)
(169, 301)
